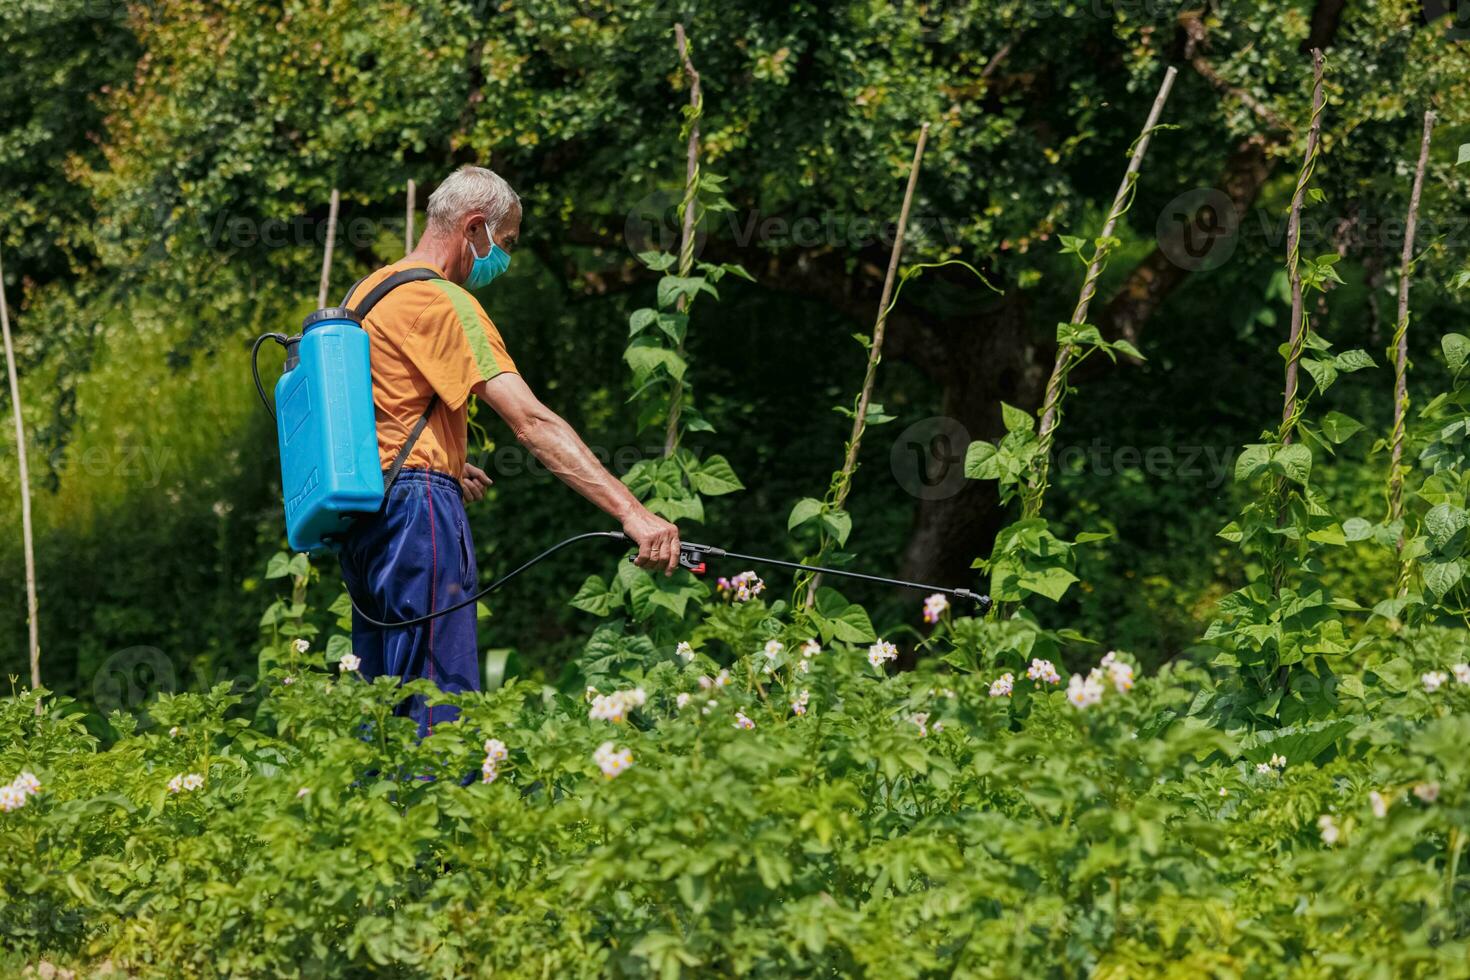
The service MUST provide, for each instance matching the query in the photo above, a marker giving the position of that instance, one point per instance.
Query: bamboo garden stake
(1068, 355)
(1401, 333)
(1290, 410)
(687, 210)
(27, 533)
(408, 218)
(842, 480)
(321, 292)
(1298, 339)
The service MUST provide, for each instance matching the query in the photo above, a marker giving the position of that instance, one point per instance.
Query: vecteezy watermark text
(927, 459)
(1200, 229)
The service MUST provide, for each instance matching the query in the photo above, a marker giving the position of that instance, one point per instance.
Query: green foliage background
(166, 198)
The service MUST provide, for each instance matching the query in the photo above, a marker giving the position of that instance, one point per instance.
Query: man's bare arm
(557, 445)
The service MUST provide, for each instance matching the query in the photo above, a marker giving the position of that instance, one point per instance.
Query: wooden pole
(321, 293)
(408, 222)
(1299, 325)
(1056, 386)
(875, 350)
(1401, 332)
(27, 533)
(690, 208)
(1293, 250)
(842, 484)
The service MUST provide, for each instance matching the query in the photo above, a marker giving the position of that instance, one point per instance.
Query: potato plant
(754, 801)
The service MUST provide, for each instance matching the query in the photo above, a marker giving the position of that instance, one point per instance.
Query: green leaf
(641, 592)
(1445, 522)
(1339, 428)
(645, 359)
(674, 601)
(674, 325)
(1050, 582)
(806, 508)
(1016, 419)
(852, 625)
(1353, 360)
(595, 597)
(1331, 534)
(715, 477)
(839, 524)
(501, 665)
(1442, 575)
(1456, 349)
(1464, 155)
(1251, 461)
(677, 508)
(1123, 347)
(1322, 371)
(876, 415)
(1079, 335)
(1357, 529)
(670, 288)
(1294, 462)
(279, 565)
(641, 320)
(657, 261)
(844, 620)
(980, 461)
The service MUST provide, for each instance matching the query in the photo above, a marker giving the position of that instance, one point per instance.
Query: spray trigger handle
(691, 556)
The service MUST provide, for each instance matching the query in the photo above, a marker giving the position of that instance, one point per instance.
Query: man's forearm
(562, 451)
(557, 445)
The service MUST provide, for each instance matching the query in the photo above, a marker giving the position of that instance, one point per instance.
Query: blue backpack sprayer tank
(325, 428)
(328, 440)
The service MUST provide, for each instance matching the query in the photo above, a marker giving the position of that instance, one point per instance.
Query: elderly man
(432, 348)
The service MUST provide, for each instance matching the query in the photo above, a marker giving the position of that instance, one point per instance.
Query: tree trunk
(979, 364)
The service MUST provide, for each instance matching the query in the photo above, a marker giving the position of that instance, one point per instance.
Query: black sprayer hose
(615, 535)
(982, 600)
(692, 555)
(279, 338)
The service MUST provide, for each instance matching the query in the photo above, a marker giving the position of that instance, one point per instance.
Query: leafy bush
(769, 807)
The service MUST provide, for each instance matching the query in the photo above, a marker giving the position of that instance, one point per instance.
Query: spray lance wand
(693, 557)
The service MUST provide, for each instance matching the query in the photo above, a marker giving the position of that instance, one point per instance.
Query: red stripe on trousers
(433, 590)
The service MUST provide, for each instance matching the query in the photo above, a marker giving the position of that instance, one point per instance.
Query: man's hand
(658, 540)
(474, 483)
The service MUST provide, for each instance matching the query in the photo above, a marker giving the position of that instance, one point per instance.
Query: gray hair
(472, 190)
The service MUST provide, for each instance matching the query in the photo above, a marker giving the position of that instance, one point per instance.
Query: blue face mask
(486, 268)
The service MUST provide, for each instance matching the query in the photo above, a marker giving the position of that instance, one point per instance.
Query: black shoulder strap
(387, 286)
(352, 289)
(362, 309)
(413, 437)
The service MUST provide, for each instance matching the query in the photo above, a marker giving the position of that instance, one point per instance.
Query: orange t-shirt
(428, 337)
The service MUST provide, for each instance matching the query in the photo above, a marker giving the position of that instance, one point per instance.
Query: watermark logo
(1199, 229)
(653, 225)
(928, 458)
(130, 677)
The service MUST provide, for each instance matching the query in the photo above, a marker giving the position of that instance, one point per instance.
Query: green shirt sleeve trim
(468, 312)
